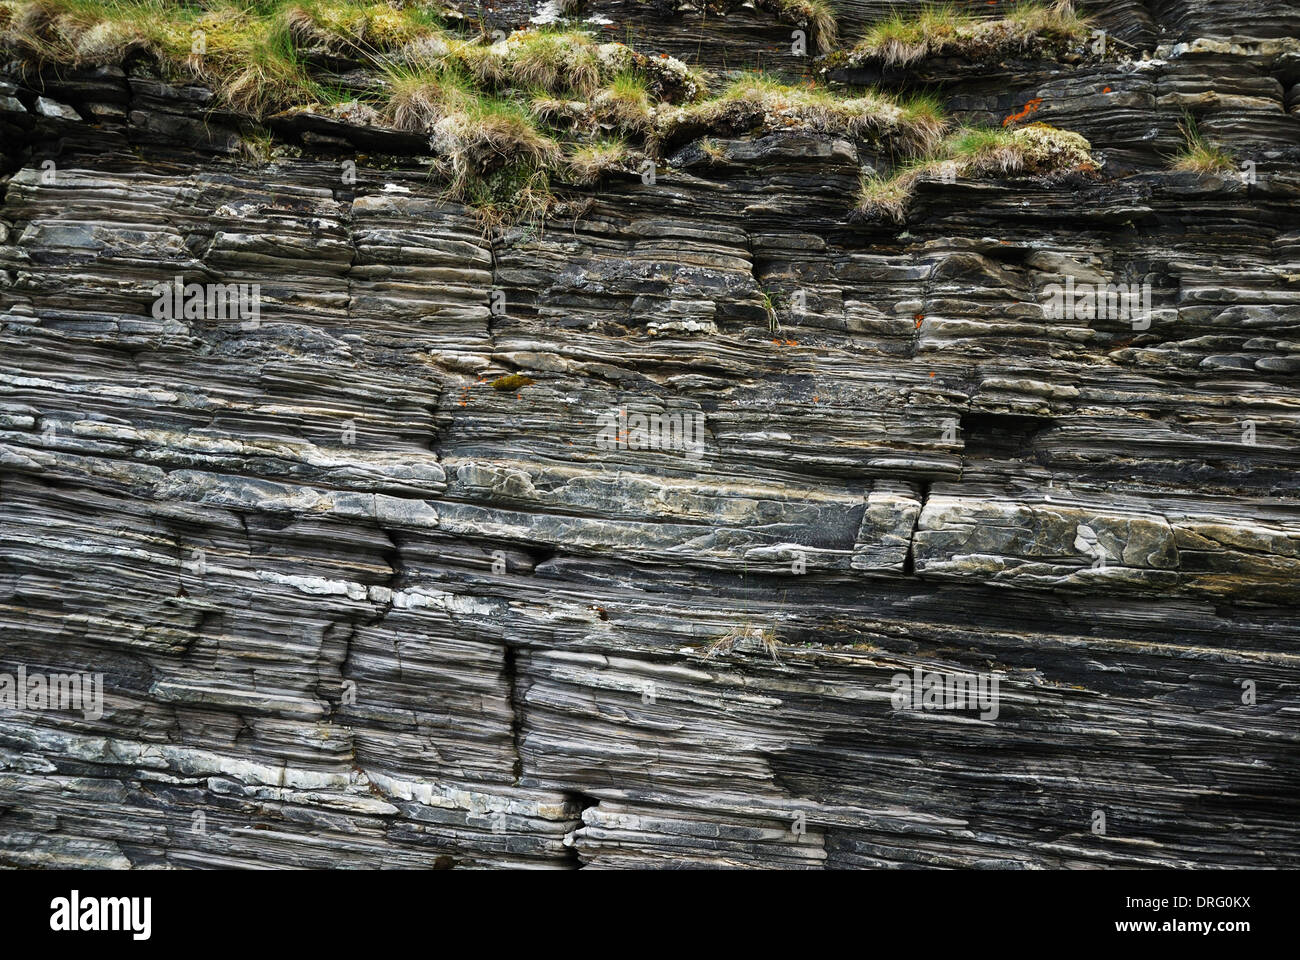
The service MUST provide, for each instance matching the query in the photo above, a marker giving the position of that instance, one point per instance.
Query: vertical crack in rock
(909, 561)
(514, 698)
(347, 199)
(335, 700)
(581, 803)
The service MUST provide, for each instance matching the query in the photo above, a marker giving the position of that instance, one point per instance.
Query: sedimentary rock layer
(379, 577)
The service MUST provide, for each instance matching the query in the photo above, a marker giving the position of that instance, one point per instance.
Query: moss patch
(1034, 150)
(512, 381)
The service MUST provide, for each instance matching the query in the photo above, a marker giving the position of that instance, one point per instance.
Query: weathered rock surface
(359, 600)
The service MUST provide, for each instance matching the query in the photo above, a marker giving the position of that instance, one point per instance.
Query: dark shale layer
(358, 600)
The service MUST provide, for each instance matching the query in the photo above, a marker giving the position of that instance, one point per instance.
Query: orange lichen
(1030, 107)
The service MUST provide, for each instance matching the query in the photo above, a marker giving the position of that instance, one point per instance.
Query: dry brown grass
(754, 637)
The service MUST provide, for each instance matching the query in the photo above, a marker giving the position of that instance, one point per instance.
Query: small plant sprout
(746, 635)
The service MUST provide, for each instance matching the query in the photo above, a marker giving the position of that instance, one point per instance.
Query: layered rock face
(606, 541)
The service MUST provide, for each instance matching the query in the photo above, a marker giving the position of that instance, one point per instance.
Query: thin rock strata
(612, 537)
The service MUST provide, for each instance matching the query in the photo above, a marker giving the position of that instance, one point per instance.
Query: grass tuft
(1198, 155)
(246, 54)
(416, 99)
(745, 636)
(817, 17)
(887, 197)
(1034, 150)
(588, 163)
(759, 101)
(559, 61)
(1030, 28)
(624, 105)
(341, 28)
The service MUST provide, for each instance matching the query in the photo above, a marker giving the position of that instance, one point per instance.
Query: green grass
(254, 66)
(520, 193)
(496, 113)
(973, 141)
(497, 157)
(556, 60)
(885, 196)
(1036, 149)
(342, 27)
(759, 99)
(624, 104)
(1053, 21)
(945, 30)
(506, 120)
(587, 163)
(905, 38)
(416, 98)
(476, 129)
(1198, 155)
(815, 16)
(499, 130)
(248, 54)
